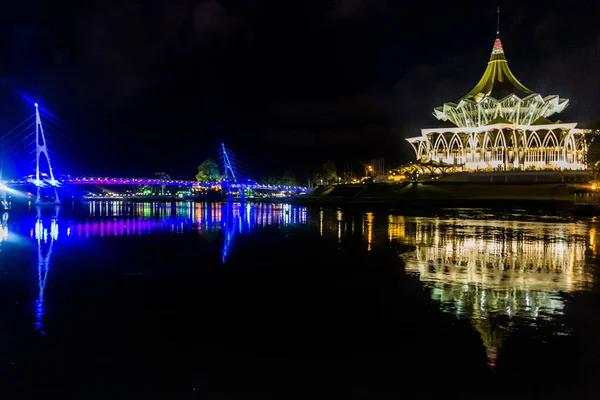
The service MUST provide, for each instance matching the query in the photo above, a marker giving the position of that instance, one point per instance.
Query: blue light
(35, 104)
(44, 258)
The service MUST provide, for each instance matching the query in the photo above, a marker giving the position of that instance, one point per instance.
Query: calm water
(279, 301)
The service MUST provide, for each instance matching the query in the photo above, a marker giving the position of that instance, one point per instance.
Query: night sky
(136, 87)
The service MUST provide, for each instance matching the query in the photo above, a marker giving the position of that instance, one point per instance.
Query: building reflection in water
(496, 273)
(488, 271)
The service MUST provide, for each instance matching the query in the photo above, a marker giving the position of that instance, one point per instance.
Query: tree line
(326, 174)
(209, 171)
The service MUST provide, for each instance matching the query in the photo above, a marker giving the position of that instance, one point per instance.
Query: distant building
(501, 125)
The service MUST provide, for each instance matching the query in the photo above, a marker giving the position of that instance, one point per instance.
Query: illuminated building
(501, 125)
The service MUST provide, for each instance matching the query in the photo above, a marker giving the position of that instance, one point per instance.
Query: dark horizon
(143, 87)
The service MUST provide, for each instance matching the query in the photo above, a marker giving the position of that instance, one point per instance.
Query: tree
(593, 154)
(316, 178)
(144, 189)
(270, 180)
(288, 179)
(329, 172)
(164, 177)
(208, 171)
(347, 177)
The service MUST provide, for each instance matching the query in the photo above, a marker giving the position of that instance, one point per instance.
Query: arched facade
(501, 125)
(504, 147)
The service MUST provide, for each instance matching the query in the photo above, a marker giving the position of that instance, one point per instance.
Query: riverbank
(553, 196)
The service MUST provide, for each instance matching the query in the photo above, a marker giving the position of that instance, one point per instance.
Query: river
(279, 301)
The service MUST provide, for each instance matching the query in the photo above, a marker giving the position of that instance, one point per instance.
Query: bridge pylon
(232, 180)
(42, 149)
(227, 164)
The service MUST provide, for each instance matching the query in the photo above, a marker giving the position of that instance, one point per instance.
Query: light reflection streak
(340, 221)
(229, 228)
(140, 219)
(321, 215)
(185, 217)
(493, 272)
(45, 241)
(369, 218)
(484, 269)
(4, 228)
(123, 219)
(497, 255)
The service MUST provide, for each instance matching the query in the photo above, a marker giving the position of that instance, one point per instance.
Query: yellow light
(593, 187)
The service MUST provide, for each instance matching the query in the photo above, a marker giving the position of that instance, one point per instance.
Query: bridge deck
(240, 184)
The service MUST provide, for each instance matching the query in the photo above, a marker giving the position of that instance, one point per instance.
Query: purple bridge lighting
(231, 180)
(241, 184)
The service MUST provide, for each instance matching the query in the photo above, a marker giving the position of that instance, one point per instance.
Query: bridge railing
(133, 181)
(152, 181)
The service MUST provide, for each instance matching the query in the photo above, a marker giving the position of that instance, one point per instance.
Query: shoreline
(437, 204)
(557, 197)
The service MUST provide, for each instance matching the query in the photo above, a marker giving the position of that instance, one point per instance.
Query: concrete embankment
(552, 196)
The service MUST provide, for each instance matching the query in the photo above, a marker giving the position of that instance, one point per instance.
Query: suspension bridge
(232, 181)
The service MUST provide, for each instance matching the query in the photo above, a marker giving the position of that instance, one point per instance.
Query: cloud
(345, 8)
(355, 9)
(359, 108)
(574, 75)
(115, 50)
(123, 50)
(213, 18)
(423, 88)
(344, 128)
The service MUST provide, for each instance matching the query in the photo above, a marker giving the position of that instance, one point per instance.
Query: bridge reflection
(120, 219)
(492, 272)
(45, 237)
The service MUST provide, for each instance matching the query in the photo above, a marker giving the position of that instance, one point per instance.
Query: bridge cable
(16, 127)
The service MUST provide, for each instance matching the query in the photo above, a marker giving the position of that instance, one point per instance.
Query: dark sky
(141, 86)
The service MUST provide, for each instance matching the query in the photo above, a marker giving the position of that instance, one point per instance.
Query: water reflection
(230, 228)
(483, 270)
(122, 219)
(495, 273)
(4, 227)
(496, 255)
(45, 238)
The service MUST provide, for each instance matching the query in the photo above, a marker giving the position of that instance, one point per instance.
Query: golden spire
(497, 75)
